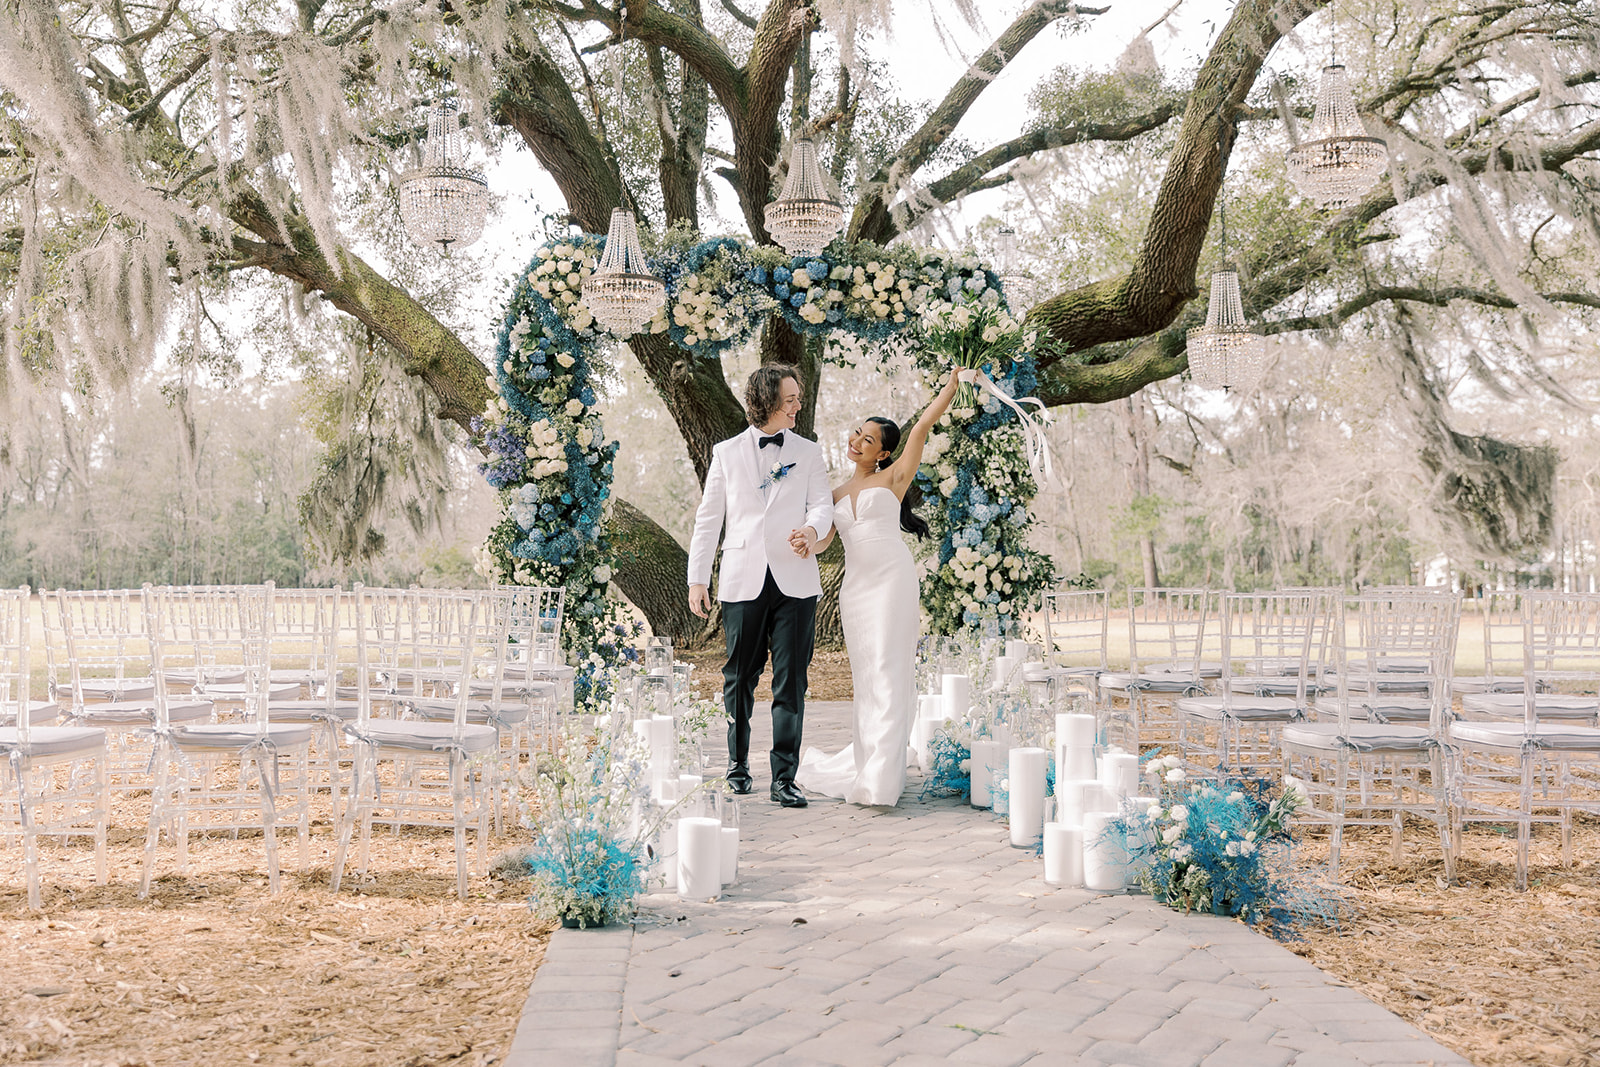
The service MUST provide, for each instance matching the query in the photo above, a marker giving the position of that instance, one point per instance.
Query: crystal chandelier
(622, 293)
(1338, 161)
(804, 218)
(1018, 285)
(1226, 353)
(443, 202)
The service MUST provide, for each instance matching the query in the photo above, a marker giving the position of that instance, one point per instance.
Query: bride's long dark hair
(910, 521)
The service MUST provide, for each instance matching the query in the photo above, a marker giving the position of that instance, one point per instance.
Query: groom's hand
(804, 541)
(700, 600)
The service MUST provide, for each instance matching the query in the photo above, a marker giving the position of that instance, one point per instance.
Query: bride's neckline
(853, 497)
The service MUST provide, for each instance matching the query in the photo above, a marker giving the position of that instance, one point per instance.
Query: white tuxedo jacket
(757, 522)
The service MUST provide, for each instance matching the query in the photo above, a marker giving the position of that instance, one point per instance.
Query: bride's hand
(798, 542)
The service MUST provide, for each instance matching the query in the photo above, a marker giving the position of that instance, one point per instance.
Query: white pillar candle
(1075, 798)
(985, 757)
(1075, 730)
(1033, 668)
(931, 707)
(1016, 649)
(1063, 855)
(956, 692)
(1003, 666)
(730, 855)
(1074, 762)
(1028, 767)
(699, 858)
(1119, 772)
(1105, 853)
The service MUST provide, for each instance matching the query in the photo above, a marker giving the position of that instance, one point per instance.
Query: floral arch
(547, 453)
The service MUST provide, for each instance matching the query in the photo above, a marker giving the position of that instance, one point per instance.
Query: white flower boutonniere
(775, 474)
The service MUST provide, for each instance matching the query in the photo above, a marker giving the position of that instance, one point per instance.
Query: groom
(763, 486)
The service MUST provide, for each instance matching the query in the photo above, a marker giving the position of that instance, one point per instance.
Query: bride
(878, 606)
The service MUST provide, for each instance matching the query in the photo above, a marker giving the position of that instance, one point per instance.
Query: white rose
(1179, 813)
(1176, 775)
(602, 574)
(574, 408)
(564, 359)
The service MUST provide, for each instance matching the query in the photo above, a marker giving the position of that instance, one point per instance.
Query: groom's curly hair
(764, 391)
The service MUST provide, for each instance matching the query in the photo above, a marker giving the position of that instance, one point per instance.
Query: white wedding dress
(878, 608)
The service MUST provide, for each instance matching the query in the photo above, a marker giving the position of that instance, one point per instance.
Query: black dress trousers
(785, 627)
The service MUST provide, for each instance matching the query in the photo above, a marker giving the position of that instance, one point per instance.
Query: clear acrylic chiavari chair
(248, 774)
(52, 778)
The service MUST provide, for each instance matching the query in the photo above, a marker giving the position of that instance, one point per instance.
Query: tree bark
(652, 572)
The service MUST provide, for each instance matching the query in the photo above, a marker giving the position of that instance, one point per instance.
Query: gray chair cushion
(1242, 708)
(1366, 736)
(229, 736)
(1151, 683)
(217, 675)
(39, 713)
(1505, 706)
(53, 741)
(117, 688)
(1510, 736)
(124, 712)
(477, 711)
(425, 736)
(311, 710)
(237, 690)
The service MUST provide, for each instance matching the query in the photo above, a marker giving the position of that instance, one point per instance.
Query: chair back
(1076, 627)
(95, 646)
(212, 638)
(15, 607)
(1561, 647)
(1504, 627)
(382, 621)
(1271, 642)
(1167, 629)
(304, 646)
(534, 623)
(1397, 637)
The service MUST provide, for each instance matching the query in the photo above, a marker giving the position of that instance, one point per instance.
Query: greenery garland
(547, 454)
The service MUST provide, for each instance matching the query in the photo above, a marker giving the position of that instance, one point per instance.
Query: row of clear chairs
(233, 704)
(1357, 694)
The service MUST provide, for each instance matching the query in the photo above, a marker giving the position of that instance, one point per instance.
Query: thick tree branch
(1162, 278)
(870, 220)
(975, 174)
(1441, 297)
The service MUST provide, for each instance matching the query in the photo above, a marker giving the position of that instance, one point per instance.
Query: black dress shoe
(788, 794)
(739, 780)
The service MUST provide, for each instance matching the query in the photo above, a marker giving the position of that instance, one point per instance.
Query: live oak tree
(148, 152)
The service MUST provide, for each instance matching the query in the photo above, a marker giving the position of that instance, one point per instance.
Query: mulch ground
(396, 971)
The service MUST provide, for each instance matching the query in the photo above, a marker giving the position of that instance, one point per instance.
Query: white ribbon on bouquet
(1040, 461)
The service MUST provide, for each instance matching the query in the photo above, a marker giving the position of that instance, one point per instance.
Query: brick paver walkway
(910, 936)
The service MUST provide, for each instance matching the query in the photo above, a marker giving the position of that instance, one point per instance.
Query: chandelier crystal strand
(805, 217)
(443, 202)
(1338, 161)
(622, 293)
(1017, 284)
(1226, 353)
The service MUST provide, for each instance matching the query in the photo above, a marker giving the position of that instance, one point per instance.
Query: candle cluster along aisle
(1011, 737)
(547, 453)
(623, 795)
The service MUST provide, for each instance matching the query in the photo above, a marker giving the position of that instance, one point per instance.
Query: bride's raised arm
(910, 458)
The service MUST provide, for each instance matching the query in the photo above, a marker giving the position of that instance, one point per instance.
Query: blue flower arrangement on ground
(1222, 846)
(545, 448)
(588, 860)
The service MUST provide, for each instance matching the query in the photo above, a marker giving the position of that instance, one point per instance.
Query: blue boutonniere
(775, 474)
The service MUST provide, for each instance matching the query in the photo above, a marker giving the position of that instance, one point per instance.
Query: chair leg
(158, 804)
(1525, 823)
(458, 793)
(102, 824)
(352, 808)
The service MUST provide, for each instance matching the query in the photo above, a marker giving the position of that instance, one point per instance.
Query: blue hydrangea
(538, 357)
(781, 292)
(798, 299)
(979, 495)
(782, 274)
(817, 268)
(539, 373)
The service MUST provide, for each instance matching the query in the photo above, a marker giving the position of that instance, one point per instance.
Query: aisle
(861, 937)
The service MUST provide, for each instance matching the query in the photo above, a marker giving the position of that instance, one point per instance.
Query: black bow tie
(775, 439)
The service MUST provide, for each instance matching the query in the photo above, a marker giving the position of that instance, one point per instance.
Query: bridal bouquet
(973, 335)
